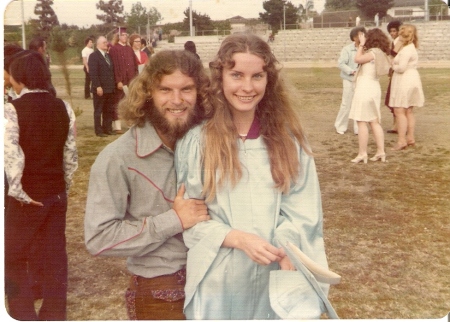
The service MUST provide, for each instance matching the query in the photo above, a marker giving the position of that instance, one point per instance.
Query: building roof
(237, 19)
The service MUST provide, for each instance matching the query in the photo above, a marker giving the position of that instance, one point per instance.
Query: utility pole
(190, 19)
(284, 15)
(24, 45)
(148, 27)
(427, 17)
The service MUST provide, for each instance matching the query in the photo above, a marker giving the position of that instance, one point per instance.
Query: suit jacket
(101, 73)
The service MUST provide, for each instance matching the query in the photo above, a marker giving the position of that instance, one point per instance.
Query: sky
(83, 12)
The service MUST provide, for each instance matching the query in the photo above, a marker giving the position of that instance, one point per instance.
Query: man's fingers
(181, 191)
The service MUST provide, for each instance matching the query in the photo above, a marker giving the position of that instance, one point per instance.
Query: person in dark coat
(101, 71)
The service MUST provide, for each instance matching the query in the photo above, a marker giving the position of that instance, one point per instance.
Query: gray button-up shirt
(129, 205)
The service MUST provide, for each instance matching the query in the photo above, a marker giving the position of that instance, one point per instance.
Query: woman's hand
(255, 247)
(362, 38)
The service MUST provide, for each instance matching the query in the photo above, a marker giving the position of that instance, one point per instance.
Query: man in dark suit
(101, 71)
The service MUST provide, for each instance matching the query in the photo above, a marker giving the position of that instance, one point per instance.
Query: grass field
(387, 225)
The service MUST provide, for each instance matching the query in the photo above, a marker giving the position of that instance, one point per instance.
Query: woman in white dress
(406, 87)
(374, 62)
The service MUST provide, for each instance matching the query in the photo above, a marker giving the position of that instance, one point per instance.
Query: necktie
(107, 59)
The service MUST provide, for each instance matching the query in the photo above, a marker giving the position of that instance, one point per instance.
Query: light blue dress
(223, 283)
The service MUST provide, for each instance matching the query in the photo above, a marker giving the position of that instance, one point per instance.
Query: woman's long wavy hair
(280, 125)
(135, 107)
(408, 34)
(376, 38)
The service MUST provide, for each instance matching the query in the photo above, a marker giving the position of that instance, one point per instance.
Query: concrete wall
(323, 46)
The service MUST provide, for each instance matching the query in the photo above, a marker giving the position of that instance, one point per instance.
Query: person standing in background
(141, 56)
(144, 47)
(406, 87)
(377, 19)
(101, 69)
(393, 28)
(40, 160)
(357, 21)
(348, 67)
(39, 45)
(372, 55)
(190, 46)
(87, 50)
(125, 69)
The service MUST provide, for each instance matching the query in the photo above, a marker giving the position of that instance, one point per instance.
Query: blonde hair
(280, 125)
(409, 35)
(135, 107)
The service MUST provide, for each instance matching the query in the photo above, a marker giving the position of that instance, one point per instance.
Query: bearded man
(133, 209)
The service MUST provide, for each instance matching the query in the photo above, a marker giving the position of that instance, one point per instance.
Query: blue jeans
(26, 225)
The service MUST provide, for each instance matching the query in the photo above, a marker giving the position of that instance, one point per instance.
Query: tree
(199, 21)
(139, 16)
(113, 12)
(47, 17)
(369, 8)
(436, 7)
(274, 15)
(340, 4)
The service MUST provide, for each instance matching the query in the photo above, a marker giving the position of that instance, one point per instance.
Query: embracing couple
(212, 178)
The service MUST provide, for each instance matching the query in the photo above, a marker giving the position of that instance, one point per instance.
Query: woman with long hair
(372, 56)
(406, 87)
(251, 163)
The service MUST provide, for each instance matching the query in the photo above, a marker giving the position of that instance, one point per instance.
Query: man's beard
(174, 130)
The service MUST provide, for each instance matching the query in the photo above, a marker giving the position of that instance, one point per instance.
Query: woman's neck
(243, 122)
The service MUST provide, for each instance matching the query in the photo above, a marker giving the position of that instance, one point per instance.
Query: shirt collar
(147, 140)
(26, 90)
(253, 133)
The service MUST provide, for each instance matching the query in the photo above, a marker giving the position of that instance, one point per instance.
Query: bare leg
(379, 136)
(411, 119)
(402, 123)
(394, 123)
(363, 138)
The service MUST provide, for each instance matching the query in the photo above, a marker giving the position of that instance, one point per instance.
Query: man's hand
(99, 91)
(190, 211)
(120, 86)
(36, 203)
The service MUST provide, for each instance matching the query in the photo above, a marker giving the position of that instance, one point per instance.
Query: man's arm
(344, 60)
(94, 72)
(111, 230)
(85, 63)
(14, 162)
